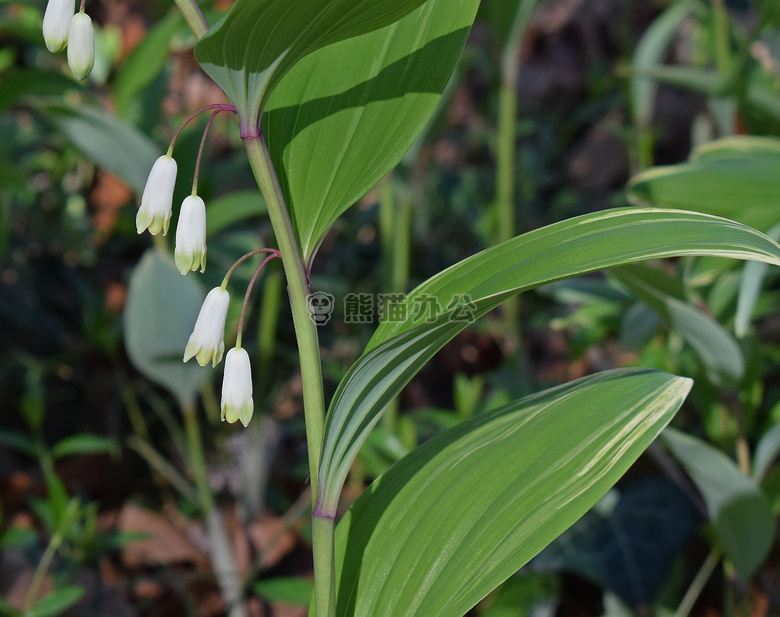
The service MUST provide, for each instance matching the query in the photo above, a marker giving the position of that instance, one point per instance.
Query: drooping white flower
(157, 200)
(56, 24)
(237, 401)
(206, 342)
(190, 253)
(81, 45)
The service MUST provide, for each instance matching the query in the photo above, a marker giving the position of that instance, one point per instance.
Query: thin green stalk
(193, 16)
(402, 233)
(221, 552)
(505, 151)
(48, 555)
(196, 459)
(255, 464)
(723, 48)
(309, 357)
(395, 226)
(161, 466)
(701, 578)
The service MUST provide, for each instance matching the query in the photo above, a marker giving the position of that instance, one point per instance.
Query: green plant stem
(193, 16)
(723, 52)
(505, 155)
(701, 578)
(324, 587)
(298, 286)
(505, 161)
(196, 459)
(162, 467)
(309, 354)
(395, 226)
(48, 555)
(222, 558)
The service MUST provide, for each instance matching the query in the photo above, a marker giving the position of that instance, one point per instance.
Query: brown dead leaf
(270, 539)
(165, 544)
(108, 197)
(238, 540)
(207, 597)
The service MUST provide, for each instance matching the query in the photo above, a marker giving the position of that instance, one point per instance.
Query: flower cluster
(63, 27)
(206, 343)
(157, 207)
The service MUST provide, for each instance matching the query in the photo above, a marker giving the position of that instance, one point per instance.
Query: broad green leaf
(19, 442)
(226, 210)
(750, 284)
(739, 179)
(19, 83)
(6, 610)
(106, 141)
(145, 62)
(463, 512)
(739, 145)
(85, 443)
(57, 602)
(716, 348)
(577, 246)
(343, 117)
(18, 537)
(638, 325)
(740, 512)
(258, 41)
(161, 309)
(767, 451)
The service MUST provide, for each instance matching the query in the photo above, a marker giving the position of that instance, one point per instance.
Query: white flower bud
(190, 253)
(56, 24)
(237, 401)
(157, 200)
(206, 342)
(81, 45)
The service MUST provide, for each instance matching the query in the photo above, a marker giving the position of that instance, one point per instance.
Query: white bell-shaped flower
(81, 45)
(157, 200)
(56, 24)
(237, 401)
(190, 253)
(206, 342)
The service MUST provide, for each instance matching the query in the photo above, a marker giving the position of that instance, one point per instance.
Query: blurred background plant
(123, 494)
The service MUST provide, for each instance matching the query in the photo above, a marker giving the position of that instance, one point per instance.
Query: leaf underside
(257, 42)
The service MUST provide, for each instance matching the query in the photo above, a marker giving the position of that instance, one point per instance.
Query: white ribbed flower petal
(56, 23)
(81, 45)
(157, 200)
(237, 401)
(207, 339)
(190, 253)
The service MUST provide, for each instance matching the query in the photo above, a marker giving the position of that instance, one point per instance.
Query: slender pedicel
(200, 151)
(218, 106)
(249, 293)
(241, 260)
